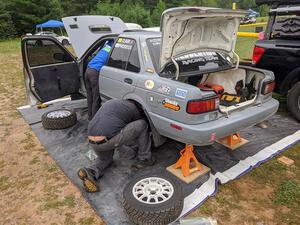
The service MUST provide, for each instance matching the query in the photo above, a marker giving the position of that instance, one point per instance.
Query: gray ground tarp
(69, 147)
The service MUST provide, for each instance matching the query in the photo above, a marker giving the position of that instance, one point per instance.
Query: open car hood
(83, 31)
(192, 29)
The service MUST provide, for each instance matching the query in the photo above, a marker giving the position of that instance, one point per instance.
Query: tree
(7, 28)
(107, 8)
(158, 10)
(135, 14)
(27, 13)
(78, 7)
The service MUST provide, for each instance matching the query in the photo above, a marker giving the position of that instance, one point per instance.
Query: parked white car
(62, 39)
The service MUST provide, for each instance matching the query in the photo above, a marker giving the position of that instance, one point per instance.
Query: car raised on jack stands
(171, 75)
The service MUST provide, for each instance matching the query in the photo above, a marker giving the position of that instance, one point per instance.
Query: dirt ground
(33, 190)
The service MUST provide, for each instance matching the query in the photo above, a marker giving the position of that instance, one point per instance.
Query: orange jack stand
(186, 160)
(233, 141)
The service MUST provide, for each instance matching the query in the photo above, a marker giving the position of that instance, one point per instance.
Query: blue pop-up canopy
(50, 23)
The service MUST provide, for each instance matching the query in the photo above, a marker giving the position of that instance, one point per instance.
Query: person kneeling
(116, 123)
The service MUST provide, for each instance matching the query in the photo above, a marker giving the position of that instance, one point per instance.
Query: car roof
(141, 34)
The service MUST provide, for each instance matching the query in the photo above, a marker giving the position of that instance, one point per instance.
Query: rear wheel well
(157, 139)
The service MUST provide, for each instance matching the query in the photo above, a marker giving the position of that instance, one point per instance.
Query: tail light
(202, 106)
(268, 87)
(258, 52)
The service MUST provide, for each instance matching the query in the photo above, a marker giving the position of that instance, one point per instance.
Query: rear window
(200, 62)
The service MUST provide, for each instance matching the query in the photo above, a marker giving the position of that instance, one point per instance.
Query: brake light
(268, 87)
(202, 106)
(258, 52)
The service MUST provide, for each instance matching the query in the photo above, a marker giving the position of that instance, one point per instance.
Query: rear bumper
(207, 133)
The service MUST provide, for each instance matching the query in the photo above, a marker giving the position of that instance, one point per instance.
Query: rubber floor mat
(69, 148)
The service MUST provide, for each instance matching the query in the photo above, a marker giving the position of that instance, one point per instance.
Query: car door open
(50, 70)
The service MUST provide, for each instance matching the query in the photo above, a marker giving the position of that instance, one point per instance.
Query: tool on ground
(43, 106)
(186, 160)
(219, 89)
(233, 141)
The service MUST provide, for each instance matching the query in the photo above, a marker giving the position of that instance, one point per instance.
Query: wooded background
(18, 17)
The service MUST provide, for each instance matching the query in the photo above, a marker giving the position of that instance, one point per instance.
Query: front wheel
(294, 101)
(153, 200)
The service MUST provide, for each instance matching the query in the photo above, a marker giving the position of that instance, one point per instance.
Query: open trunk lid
(189, 29)
(83, 31)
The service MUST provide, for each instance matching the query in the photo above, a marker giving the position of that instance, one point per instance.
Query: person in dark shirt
(92, 79)
(116, 123)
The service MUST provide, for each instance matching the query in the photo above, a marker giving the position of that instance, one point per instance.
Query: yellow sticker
(120, 40)
(149, 84)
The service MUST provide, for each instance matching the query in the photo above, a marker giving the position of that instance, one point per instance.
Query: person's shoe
(88, 180)
(141, 164)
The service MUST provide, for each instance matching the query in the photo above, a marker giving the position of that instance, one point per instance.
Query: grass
(272, 186)
(288, 194)
(68, 201)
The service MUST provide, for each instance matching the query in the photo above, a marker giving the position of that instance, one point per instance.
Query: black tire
(160, 213)
(65, 42)
(59, 119)
(293, 101)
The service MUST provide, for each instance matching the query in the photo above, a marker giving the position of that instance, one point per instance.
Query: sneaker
(88, 180)
(143, 163)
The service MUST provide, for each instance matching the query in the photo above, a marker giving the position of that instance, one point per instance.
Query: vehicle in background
(252, 13)
(133, 26)
(248, 20)
(279, 51)
(62, 39)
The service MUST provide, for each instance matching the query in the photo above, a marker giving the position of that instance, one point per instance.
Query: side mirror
(59, 56)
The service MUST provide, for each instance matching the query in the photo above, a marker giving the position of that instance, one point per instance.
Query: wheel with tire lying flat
(294, 101)
(59, 119)
(153, 200)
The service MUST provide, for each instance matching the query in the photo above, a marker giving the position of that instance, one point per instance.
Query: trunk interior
(235, 88)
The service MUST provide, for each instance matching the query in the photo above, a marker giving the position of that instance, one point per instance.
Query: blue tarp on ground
(50, 23)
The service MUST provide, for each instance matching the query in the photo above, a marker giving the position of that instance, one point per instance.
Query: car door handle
(128, 81)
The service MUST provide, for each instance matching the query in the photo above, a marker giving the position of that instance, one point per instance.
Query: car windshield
(189, 64)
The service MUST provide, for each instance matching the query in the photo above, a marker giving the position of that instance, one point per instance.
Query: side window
(45, 52)
(133, 64)
(125, 55)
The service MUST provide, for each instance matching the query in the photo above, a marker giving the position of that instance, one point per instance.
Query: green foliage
(7, 28)
(27, 13)
(78, 7)
(156, 14)
(21, 16)
(106, 8)
(288, 194)
(135, 14)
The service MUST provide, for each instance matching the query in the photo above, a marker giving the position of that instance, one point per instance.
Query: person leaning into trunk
(117, 123)
(92, 79)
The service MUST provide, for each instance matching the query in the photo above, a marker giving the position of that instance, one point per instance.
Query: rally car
(186, 78)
